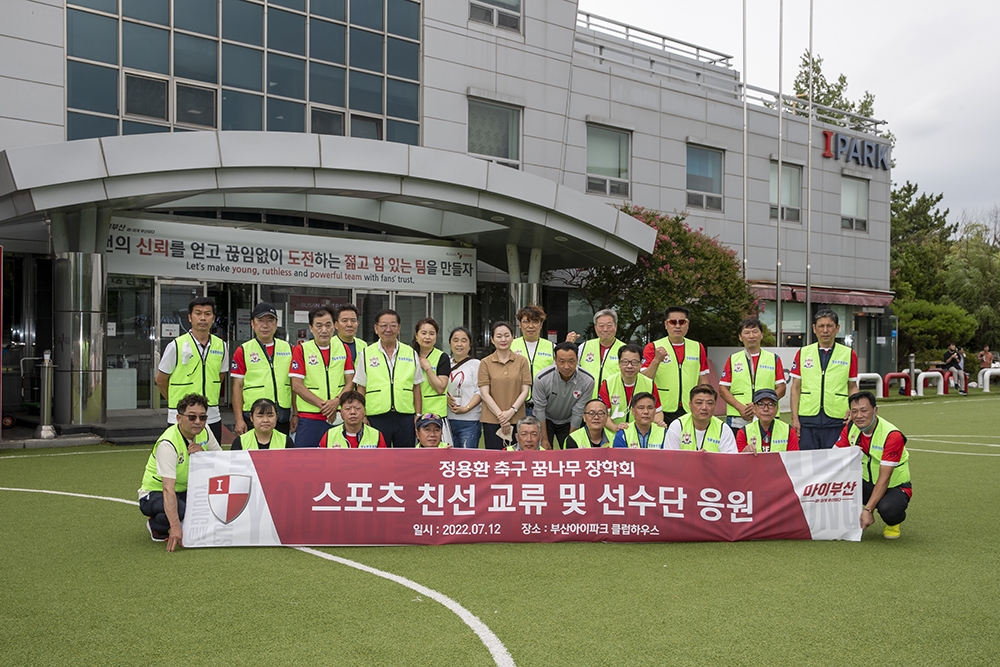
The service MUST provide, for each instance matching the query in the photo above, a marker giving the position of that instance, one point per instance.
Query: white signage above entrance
(206, 252)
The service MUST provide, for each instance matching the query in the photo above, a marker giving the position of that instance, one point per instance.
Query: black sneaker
(156, 537)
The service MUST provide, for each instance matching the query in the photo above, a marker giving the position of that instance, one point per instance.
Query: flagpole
(777, 292)
(809, 190)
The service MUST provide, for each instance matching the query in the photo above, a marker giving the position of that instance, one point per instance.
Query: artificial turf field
(82, 584)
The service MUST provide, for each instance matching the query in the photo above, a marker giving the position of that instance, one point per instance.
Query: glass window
(109, 6)
(82, 126)
(366, 128)
(854, 203)
(404, 18)
(607, 152)
(132, 127)
(331, 9)
(509, 5)
(286, 76)
(366, 92)
(326, 84)
(92, 88)
(195, 105)
(91, 36)
(402, 58)
(402, 133)
(243, 22)
(145, 48)
(242, 67)
(195, 58)
(286, 32)
(791, 191)
(327, 122)
(284, 116)
(401, 99)
(704, 170)
(197, 16)
(326, 41)
(366, 13)
(241, 111)
(494, 130)
(291, 4)
(146, 97)
(366, 50)
(154, 11)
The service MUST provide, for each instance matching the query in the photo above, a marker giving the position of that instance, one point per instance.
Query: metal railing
(650, 39)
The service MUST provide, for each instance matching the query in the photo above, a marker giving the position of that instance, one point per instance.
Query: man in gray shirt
(560, 394)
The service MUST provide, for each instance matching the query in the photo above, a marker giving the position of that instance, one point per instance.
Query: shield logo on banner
(228, 496)
(808, 363)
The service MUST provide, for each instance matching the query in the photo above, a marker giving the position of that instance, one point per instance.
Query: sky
(928, 63)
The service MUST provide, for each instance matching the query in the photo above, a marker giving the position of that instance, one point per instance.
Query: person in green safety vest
(435, 364)
(194, 363)
(594, 432)
(746, 371)
(353, 433)
(345, 318)
(675, 363)
(599, 356)
(163, 492)
(262, 434)
(766, 433)
(700, 430)
(529, 435)
(530, 344)
(430, 427)
(885, 467)
(823, 374)
(260, 370)
(616, 391)
(642, 432)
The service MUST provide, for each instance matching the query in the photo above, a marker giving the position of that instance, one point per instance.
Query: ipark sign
(866, 153)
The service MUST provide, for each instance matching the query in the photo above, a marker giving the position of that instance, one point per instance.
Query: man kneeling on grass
(163, 493)
(885, 468)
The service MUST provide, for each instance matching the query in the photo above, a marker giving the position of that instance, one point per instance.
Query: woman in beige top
(504, 381)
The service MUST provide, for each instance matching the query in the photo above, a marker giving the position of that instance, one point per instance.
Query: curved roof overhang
(404, 190)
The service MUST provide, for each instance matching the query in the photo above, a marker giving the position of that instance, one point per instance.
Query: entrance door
(369, 305)
(411, 308)
(129, 346)
(172, 298)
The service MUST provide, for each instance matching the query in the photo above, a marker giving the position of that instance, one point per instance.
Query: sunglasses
(677, 323)
(195, 418)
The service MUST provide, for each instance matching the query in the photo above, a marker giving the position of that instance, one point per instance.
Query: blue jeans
(465, 432)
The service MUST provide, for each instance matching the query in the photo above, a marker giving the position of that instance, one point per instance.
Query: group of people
(335, 390)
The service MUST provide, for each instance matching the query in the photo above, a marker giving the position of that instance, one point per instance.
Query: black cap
(264, 308)
(429, 418)
(762, 394)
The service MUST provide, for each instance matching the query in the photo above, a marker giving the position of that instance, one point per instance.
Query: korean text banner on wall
(372, 497)
(207, 252)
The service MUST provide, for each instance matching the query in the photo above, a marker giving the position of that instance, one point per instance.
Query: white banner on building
(207, 252)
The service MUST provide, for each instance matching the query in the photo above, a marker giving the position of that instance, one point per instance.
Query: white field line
(496, 648)
(952, 442)
(499, 652)
(41, 456)
(938, 451)
(945, 435)
(925, 403)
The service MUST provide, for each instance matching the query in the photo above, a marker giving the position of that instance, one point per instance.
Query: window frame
(607, 183)
(701, 198)
(497, 12)
(795, 208)
(855, 222)
(513, 163)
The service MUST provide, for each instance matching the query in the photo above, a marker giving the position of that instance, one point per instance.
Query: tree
(972, 278)
(920, 239)
(686, 268)
(926, 327)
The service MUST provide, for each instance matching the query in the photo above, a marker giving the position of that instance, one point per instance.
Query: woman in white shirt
(464, 401)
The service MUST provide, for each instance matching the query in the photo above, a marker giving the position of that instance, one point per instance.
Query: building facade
(436, 157)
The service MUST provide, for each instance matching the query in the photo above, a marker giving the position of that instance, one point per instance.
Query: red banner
(351, 497)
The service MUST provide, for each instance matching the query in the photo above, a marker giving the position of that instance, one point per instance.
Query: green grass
(81, 584)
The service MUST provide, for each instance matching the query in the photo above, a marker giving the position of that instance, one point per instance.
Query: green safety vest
(745, 381)
(590, 360)
(432, 400)
(389, 389)
(336, 437)
(673, 379)
(153, 482)
(543, 358)
(322, 380)
(619, 398)
(780, 434)
(249, 441)
(713, 435)
(871, 461)
(657, 437)
(267, 378)
(196, 377)
(582, 438)
(827, 390)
